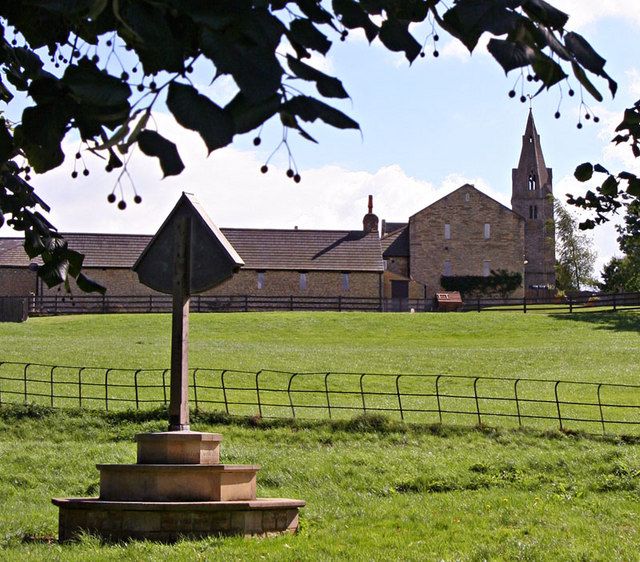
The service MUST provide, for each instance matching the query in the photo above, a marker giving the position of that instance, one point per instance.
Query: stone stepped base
(178, 447)
(177, 489)
(177, 482)
(169, 521)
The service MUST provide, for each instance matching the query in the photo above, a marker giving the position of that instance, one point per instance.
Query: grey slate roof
(396, 244)
(299, 250)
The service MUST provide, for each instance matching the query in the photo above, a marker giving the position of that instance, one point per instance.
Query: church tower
(531, 198)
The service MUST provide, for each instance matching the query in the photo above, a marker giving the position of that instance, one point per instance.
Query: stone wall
(466, 210)
(17, 281)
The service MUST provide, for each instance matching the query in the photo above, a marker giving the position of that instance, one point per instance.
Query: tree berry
(122, 205)
(137, 199)
(85, 172)
(587, 117)
(557, 115)
(596, 119)
(74, 174)
(523, 99)
(436, 54)
(264, 169)
(436, 37)
(111, 197)
(512, 93)
(78, 155)
(289, 173)
(579, 125)
(257, 141)
(124, 76)
(571, 92)
(297, 178)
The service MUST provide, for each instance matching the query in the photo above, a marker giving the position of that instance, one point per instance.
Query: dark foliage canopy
(500, 282)
(51, 51)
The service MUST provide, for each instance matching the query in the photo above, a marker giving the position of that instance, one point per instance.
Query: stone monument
(178, 487)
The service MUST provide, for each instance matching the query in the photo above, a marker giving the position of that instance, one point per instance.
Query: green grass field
(376, 489)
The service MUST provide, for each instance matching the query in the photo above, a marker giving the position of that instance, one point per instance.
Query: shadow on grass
(364, 423)
(615, 321)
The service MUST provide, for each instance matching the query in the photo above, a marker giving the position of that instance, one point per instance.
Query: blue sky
(426, 130)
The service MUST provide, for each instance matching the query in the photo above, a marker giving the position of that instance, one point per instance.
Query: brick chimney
(370, 221)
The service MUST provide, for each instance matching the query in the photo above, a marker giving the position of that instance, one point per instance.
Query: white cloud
(234, 192)
(584, 12)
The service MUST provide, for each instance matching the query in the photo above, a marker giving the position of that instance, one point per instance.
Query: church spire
(531, 157)
(531, 198)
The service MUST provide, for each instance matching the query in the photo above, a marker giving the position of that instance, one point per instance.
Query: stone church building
(464, 233)
(469, 233)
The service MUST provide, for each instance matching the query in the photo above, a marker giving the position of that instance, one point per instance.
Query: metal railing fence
(592, 407)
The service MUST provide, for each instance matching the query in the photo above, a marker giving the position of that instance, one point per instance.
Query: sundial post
(178, 487)
(188, 255)
(179, 392)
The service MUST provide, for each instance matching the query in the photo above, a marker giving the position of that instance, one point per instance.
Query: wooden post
(179, 391)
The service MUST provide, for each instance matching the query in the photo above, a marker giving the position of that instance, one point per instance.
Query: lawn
(590, 348)
(376, 489)
(598, 347)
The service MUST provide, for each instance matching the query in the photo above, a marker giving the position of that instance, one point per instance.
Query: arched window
(532, 182)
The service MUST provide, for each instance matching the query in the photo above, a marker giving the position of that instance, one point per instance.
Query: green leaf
(395, 36)
(54, 272)
(584, 172)
(548, 70)
(599, 168)
(198, 113)
(315, 12)
(88, 285)
(544, 13)
(510, 55)
(75, 260)
(582, 78)
(42, 129)
(352, 16)
(90, 85)
(308, 35)
(247, 115)
(610, 187)
(587, 57)
(634, 188)
(327, 86)
(469, 20)
(310, 109)
(154, 144)
(7, 148)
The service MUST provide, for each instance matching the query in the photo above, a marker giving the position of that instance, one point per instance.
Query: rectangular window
(487, 231)
(303, 281)
(345, 281)
(486, 268)
(447, 232)
(447, 270)
(535, 211)
(260, 279)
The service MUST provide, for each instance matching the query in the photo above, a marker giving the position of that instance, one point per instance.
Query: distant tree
(623, 274)
(620, 275)
(575, 259)
(63, 55)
